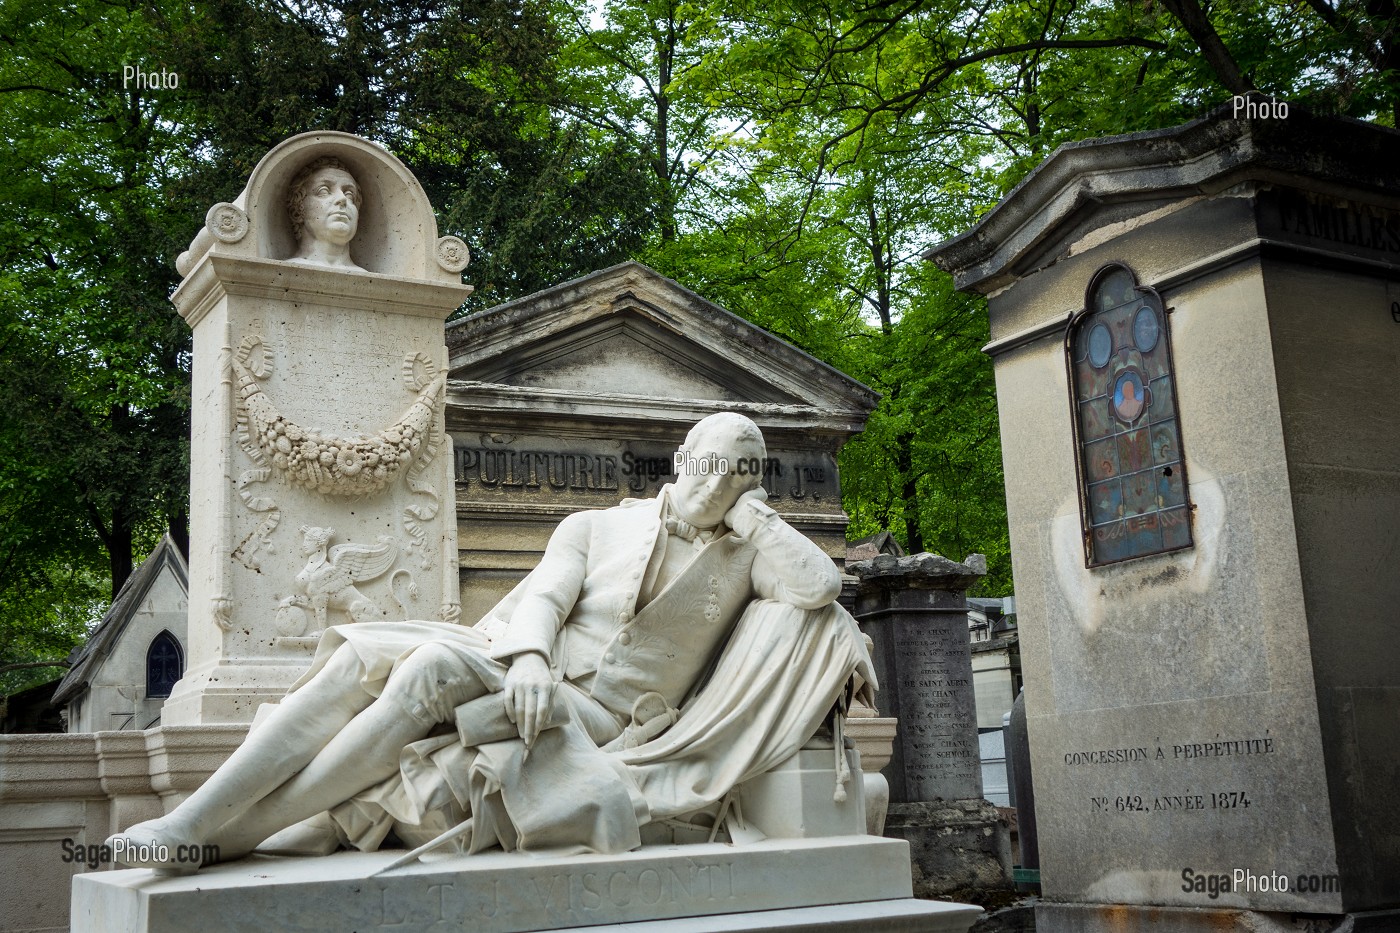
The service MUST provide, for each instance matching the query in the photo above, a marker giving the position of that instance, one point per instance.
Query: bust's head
(732, 442)
(323, 203)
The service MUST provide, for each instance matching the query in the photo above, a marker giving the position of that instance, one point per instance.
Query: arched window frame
(1181, 533)
(153, 688)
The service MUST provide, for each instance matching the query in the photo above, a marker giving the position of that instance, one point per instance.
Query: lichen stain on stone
(1168, 576)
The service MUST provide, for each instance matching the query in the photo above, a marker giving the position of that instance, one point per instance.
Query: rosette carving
(452, 254)
(360, 465)
(227, 222)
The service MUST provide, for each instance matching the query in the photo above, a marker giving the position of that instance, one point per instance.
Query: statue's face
(330, 211)
(703, 498)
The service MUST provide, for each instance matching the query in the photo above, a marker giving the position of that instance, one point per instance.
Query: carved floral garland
(361, 465)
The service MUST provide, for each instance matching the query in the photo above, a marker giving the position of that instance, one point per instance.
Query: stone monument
(321, 460)
(914, 608)
(577, 396)
(1190, 327)
(661, 676)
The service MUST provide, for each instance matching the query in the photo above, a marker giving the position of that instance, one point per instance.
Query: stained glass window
(163, 665)
(1133, 493)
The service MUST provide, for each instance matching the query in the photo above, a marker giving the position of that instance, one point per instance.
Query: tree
(107, 177)
(468, 95)
(872, 129)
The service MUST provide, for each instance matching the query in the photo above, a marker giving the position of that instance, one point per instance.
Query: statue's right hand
(529, 694)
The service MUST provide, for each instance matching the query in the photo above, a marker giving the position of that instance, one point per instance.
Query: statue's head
(720, 460)
(323, 204)
(314, 539)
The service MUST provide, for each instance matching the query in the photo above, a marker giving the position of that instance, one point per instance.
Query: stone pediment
(1088, 191)
(629, 331)
(588, 358)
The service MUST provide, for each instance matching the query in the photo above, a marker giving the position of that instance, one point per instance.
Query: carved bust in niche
(323, 203)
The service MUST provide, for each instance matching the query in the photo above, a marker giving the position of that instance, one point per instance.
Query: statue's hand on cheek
(742, 516)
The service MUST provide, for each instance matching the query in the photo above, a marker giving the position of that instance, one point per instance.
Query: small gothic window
(163, 665)
(1133, 493)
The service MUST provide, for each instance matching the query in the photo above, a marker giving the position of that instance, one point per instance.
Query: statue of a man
(323, 202)
(607, 641)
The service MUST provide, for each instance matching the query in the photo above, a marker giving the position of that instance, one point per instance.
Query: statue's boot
(326, 742)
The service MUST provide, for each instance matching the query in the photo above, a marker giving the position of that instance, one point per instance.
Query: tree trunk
(904, 459)
(179, 527)
(119, 544)
(1213, 49)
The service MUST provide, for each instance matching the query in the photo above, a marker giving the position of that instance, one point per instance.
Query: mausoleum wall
(116, 696)
(1337, 386)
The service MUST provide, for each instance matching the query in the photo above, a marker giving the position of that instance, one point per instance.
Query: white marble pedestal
(834, 883)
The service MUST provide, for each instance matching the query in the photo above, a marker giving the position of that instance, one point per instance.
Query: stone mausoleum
(577, 396)
(119, 679)
(1196, 334)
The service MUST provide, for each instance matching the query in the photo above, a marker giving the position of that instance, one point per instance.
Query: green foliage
(93, 380)
(787, 159)
(468, 95)
(871, 131)
(105, 182)
(45, 623)
(937, 427)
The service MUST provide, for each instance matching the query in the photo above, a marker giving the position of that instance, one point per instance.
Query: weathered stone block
(957, 847)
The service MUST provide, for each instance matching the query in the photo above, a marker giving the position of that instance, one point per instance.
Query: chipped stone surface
(932, 571)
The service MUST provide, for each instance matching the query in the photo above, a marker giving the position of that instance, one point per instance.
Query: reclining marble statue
(662, 652)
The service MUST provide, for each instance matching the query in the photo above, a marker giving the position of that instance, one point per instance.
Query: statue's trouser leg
(423, 691)
(298, 728)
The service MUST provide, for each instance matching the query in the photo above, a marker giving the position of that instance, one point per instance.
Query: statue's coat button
(625, 638)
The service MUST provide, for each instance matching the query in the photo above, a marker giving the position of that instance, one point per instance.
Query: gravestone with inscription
(914, 608)
(1196, 335)
(576, 397)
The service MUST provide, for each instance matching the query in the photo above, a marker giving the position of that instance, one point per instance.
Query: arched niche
(397, 232)
(165, 664)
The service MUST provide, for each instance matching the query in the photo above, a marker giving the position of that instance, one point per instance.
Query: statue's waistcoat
(668, 644)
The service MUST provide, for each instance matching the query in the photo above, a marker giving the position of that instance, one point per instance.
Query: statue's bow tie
(688, 532)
